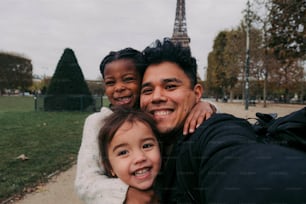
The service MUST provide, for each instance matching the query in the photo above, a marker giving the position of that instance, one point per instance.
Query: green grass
(16, 103)
(51, 140)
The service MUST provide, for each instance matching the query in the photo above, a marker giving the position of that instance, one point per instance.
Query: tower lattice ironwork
(180, 26)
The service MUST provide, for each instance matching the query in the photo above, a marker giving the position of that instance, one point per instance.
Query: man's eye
(171, 86)
(146, 91)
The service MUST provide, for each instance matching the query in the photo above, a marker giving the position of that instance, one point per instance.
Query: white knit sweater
(92, 186)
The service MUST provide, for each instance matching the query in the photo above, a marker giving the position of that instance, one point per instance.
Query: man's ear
(198, 90)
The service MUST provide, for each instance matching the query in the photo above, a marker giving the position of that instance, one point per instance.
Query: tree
(225, 63)
(68, 89)
(277, 45)
(288, 28)
(217, 67)
(285, 36)
(15, 72)
(234, 55)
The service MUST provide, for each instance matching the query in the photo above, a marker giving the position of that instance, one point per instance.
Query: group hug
(159, 142)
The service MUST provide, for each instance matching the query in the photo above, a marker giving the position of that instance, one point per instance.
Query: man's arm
(91, 185)
(235, 168)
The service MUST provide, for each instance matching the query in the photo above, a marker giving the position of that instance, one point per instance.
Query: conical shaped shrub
(68, 90)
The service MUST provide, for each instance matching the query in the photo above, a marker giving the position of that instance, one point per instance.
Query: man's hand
(135, 196)
(200, 112)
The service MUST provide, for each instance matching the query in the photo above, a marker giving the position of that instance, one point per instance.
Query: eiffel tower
(180, 27)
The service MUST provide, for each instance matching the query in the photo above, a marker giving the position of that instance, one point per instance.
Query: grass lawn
(49, 139)
(16, 103)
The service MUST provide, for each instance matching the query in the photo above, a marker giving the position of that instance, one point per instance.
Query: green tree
(273, 59)
(288, 28)
(283, 23)
(287, 39)
(234, 55)
(68, 89)
(15, 72)
(216, 66)
(225, 63)
(277, 44)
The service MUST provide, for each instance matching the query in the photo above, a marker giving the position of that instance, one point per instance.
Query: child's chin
(145, 187)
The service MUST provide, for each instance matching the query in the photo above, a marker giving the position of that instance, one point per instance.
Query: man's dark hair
(159, 52)
(126, 53)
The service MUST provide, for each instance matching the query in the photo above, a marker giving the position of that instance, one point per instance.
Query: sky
(41, 29)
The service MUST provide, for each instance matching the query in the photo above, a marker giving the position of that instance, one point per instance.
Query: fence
(79, 100)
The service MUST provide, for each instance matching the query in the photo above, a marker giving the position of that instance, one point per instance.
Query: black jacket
(223, 163)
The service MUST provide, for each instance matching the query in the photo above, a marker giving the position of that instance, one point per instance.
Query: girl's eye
(148, 145)
(109, 83)
(122, 153)
(128, 79)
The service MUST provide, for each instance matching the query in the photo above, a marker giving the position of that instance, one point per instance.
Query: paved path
(238, 109)
(60, 188)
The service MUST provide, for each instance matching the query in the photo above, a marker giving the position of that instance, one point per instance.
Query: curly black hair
(126, 53)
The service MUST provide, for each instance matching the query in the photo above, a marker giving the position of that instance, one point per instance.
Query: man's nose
(158, 95)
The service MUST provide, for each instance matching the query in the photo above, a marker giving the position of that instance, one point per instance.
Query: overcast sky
(42, 29)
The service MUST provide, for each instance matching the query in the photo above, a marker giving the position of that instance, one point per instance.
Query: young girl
(129, 148)
(122, 72)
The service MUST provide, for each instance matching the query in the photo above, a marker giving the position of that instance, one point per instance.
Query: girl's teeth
(124, 99)
(142, 171)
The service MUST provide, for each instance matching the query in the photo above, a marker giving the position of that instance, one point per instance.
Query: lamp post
(247, 57)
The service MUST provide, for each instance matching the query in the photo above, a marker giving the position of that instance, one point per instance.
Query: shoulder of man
(218, 120)
(219, 127)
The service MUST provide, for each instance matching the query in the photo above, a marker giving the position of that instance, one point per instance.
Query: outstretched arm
(91, 184)
(234, 168)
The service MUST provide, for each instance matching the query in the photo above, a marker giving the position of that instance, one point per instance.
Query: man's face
(167, 94)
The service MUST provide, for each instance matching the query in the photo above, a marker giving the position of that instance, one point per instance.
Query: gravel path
(60, 189)
(238, 109)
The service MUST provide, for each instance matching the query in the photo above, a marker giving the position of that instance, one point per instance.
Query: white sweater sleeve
(92, 186)
(218, 110)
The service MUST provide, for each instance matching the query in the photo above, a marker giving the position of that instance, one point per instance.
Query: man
(221, 162)
(169, 91)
